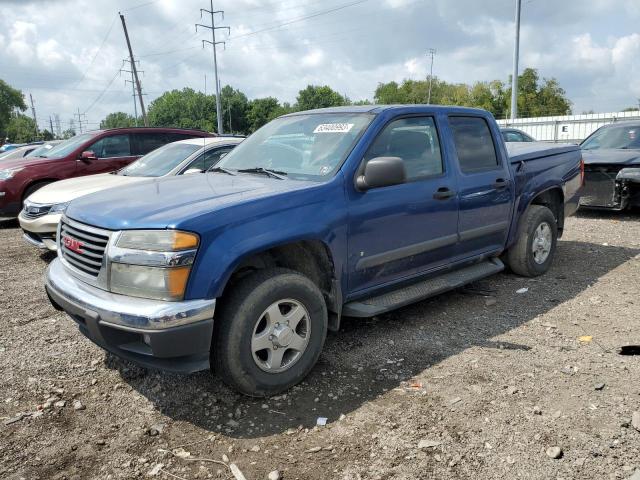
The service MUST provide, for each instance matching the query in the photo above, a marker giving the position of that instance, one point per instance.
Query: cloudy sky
(67, 53)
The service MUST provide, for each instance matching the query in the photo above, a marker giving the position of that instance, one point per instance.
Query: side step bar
(419, 291)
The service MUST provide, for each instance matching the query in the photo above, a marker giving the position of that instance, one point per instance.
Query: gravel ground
(481, 383)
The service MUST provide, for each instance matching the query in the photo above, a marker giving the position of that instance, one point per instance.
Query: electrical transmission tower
(213, 43)
(82, 117)
(33, 112)
(432, 53)
(133, 86)
(56, 119)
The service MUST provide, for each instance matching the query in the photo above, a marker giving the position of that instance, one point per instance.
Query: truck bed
(519, 152)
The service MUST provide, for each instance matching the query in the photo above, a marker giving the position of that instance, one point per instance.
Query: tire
(31, 189)
(521, 258)
(243, 325)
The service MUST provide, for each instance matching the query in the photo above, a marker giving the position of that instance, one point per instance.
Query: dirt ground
(480, 383)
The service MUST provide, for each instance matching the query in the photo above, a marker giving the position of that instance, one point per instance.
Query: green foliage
(118, 120)
(68, 133)
(46, 135)
(535, 98)
(628, 109)
(184, 108)
(262, 111)
(234, 110)
(10, 99)
(319, 97)
(21, 129)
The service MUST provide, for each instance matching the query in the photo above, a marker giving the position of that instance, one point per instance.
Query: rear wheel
(269, 332)
(535, 246)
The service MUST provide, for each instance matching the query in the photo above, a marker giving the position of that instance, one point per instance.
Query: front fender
(321, 218)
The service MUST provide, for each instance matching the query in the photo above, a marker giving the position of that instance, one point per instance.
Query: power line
(96, 54)
(97, 99)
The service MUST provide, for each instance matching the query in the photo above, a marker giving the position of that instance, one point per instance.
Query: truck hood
(72, 188)
(166, 202)
(611, 157)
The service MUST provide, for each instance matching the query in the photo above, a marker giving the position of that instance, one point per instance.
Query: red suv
(85, 154)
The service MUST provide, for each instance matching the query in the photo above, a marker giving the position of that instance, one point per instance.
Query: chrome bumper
(40, 227)
(121, 311)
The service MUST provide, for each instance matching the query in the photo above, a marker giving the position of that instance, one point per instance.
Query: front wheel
(269, 332)
(535, 246)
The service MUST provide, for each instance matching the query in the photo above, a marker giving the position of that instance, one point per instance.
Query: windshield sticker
(333, 128)
(632, 134)
(324, 170)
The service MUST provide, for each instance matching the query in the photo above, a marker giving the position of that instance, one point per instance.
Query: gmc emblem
(73, 244)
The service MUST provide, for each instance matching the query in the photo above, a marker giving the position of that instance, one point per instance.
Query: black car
(515, 135)
(612, 167)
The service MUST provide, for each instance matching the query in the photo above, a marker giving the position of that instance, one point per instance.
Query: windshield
(623, 136)
(160, 161)
(304, 147)
(41, 150)
(65, 148)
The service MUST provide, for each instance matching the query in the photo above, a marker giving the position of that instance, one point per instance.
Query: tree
(46, 135)
(118, 120)
(68, 133)
(10, 99)
(319, 97)
(262, 111)
(234, 107)
(21, 129)
(539, 99)
(184, 108)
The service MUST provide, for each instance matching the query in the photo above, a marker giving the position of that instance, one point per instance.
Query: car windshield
(42, 149)
(622, 136)
(302, 147)
(161, 161)
(65, 148)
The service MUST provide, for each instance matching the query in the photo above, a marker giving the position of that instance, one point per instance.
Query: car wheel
(535, 246)
(269, 332)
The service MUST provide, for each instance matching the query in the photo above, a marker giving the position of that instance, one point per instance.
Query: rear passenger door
(145, 142)
(111, 153)
(399, 231)
(485, 188)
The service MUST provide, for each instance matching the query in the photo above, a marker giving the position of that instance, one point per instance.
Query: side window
(415, 141)
(146, 142)
(474, 144)
(211, 157)
(112, 146)
(174, 137)
(512, 137)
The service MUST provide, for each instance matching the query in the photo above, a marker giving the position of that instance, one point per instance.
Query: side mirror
(88, 155)
(382, 172)
(191, 171)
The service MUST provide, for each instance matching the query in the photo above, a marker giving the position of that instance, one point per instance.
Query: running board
(419, 291)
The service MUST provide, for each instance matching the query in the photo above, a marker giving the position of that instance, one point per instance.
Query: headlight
(149, 282)
(8, 173)
(157, 240)
(152, 263)
(59, 207)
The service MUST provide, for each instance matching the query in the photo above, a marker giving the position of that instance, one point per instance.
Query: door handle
(500, 183)
(444, 193)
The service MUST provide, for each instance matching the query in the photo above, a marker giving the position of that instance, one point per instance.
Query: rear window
(146, 142)
(474, 144)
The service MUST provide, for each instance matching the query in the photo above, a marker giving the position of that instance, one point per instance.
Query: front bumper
(41, 231)
(173, 336)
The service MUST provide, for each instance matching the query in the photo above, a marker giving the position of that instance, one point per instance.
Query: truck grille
(83, 247)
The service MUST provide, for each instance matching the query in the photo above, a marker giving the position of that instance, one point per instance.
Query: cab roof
(376, 109)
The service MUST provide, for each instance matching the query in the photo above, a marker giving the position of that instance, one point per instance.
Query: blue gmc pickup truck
(350, 211)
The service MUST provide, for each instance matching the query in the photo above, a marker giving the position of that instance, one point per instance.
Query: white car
(43, 209)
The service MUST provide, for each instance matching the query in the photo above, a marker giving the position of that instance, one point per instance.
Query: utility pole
(516, 54)
(135, 72)
(33, 112)
(133, 88)
(51, 125)
(213, 43)
(80, 120)
(432, 53)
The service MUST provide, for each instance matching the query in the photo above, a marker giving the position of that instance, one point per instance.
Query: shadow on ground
(371, 356)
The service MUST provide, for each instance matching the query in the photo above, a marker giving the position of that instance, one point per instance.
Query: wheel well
(34, 183)
(311, 258)
(554, 200)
